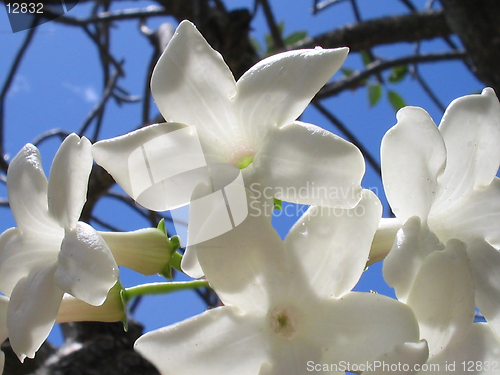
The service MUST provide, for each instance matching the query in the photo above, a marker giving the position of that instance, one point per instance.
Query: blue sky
(60, 81)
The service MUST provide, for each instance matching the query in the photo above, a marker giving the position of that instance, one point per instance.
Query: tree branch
(387, 30)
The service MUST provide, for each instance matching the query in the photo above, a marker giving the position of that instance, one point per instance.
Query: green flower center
(285, 321)
(244, 162)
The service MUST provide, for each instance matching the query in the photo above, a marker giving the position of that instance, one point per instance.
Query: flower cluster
(232, 148)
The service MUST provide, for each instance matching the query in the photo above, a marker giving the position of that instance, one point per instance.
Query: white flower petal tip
(158, 165)
(68, 180)
(405, 359)
(32, 311)
(86, 268)
(413, 156)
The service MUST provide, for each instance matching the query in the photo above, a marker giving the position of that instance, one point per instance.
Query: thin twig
(150, 11)
(358, 79)
(105, 224)
(273, 27)
(5, 89)
(49, 134)
(99, 107)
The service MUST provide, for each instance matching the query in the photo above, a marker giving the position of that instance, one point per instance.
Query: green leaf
(396, 100)
(347, 72)
(366, 58)
(374, 94)
(398, 73)
(278, 205)
(295, 38)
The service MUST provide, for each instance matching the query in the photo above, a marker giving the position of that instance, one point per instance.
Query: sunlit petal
(305, 164)
(192, 84)
(413, 155)
(275, 91)
(476, 215)
(413, 243)
(485, 265)
(471, 132)
(32, 311)
(20, 254)
(408, 357)
(442, 296)
(481, 348)
(243, 264)
(68, 180)
(158, 166)
(219, 341)
(359, 327)
(333, 244)
(86, 268)
(27, 189)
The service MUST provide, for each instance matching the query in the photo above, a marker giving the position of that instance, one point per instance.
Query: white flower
(248, 124)
(50, 252)
(446, 176)
(288, 303)
(245, 123)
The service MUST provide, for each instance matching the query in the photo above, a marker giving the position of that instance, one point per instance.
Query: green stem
(161, 288)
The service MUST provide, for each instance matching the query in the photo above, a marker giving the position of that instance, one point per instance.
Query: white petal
(32, 311)
(20, 254)
(414, 242)
(408, 357)
(476, 215)
(243, 264)
(86, 268)
(192, 84)
(478, 353)
(384, 239)
(333, 244)
(219, 341)
(27, 189)
(158, 166)
(292, 358)
(442, 296)
(68, 180)
(146, 251)
(305, 164)
(485, 265)
(359, 327)
(275, 91)
(471, 132)
(413, 155)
